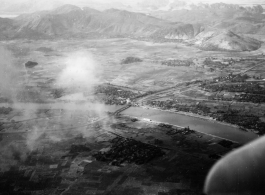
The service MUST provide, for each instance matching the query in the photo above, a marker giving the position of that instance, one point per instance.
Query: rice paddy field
(108, 54)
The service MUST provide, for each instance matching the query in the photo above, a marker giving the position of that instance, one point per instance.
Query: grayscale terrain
(141, 98)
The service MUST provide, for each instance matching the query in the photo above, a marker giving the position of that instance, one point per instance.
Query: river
(198, 124)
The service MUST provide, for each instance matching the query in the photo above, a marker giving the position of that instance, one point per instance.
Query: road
(170, 89)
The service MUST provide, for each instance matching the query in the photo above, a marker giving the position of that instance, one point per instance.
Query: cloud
(81, 72)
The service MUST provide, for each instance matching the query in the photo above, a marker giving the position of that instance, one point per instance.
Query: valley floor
(65, 140)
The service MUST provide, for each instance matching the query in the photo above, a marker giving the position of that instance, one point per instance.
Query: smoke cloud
(79, 76)
(9, 74)
(81, 73)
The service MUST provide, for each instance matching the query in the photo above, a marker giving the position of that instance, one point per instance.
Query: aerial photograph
(132, 97)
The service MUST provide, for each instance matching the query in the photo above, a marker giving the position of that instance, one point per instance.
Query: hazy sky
(231, 1)
(134, 1)
(25, 6)
(193, 1)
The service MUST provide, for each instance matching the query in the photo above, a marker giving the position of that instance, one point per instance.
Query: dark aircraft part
(240, 172)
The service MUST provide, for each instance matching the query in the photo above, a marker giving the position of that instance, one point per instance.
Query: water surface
(205, 126)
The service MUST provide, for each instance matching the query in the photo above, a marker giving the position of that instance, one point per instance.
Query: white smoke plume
(81, 72)
(9, 74)
(10, 153)
(79, 76)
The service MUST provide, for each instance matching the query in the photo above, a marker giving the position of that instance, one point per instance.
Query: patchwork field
(108, 54)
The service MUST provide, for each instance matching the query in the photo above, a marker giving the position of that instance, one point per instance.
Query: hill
(225, 41)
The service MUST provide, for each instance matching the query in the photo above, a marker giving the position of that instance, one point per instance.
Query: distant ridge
(248, 20)
(69, 21)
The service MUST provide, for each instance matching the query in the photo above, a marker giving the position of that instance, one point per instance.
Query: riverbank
(201, 117)
(210, 127)
(200, 124)
(177, 126)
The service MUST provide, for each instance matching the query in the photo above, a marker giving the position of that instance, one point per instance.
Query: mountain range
(245, 20)
(72, 21)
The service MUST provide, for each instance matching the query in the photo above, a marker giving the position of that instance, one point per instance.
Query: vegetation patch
(31, 64)
(130, 60)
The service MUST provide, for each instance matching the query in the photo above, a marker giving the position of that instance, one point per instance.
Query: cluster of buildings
(255, 98)
(115, 96)
(245, 92)
(249, 87)
(228, 78)
(177, 62)
(244, 121)
(128, 150)
(171, 104)
(183, 131)
(215, 61)
(130, 60)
